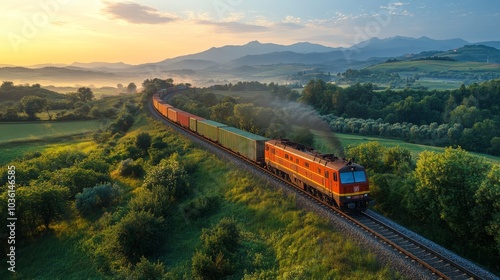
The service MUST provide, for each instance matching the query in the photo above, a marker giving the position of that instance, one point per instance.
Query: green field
(35, 131)
(322, 143)
(435, 65)
(22, 137)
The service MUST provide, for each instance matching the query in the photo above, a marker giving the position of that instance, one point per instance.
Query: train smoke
(298, 114)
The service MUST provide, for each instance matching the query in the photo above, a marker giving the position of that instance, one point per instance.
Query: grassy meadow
(324, 145)
(19, 138)
(435, 66)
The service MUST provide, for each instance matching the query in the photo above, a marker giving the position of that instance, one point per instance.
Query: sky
(141, 31)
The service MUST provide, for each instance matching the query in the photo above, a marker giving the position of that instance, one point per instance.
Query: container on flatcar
(193, 122)
(163, 108)
(244, 143)
(183, 118)
(209, 129)
(172, 114)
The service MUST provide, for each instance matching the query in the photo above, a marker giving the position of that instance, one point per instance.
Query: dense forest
(467, 117)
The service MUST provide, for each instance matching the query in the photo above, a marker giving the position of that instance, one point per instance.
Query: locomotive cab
(353, 187)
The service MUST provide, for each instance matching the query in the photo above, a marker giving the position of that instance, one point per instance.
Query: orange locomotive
(335, 181)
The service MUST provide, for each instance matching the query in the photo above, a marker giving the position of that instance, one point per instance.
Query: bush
(139, 234)
(146, 270)
(200, 206)
(143, 141)
(224, 237)
(170, 178)
(130, 168)
(102, 195)
(77, 179)
(204, 267)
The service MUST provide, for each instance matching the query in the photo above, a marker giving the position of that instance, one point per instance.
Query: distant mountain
(226, 54)
(109, 65)
(51, 73)
(255, 53)
(46, 65)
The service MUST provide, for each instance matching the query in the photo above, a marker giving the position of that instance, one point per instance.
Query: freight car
(337, 182)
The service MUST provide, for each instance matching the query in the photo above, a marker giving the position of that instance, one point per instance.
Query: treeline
(285, 92)
(480, 137)
(445, 196)
(469, 114)
(367, 76)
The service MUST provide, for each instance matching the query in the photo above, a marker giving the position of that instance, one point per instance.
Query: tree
(91, 199)
(52, 202)
(85, 94)
(398, 160)
(447, 182)
(6, 85)
(40, 205)
(244, 115)
(131, 88)
(77, 179)
(32, 105)
(487, 211)
(368, 154)
(168, 179)
(139, 234)
(146, 270)
(143, 141)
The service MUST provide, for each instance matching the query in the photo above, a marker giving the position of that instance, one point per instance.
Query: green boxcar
(209, 129)
(245, 143)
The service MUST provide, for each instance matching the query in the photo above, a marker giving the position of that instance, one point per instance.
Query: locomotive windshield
(352, 177)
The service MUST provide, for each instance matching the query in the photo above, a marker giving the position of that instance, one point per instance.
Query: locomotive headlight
(348, 197)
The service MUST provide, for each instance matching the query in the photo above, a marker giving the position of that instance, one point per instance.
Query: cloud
(135, 13)
(397, 8)
(234, 27)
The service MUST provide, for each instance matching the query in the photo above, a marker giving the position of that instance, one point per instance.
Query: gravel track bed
(385, 254)
(484, 274)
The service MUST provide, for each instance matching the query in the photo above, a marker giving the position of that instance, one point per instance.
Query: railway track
(440, 266)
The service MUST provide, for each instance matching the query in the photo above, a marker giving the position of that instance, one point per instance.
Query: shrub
(200, 207)
(143, 141)
(102, 195)
(224, 237)
(169, 177)
(77, 179)
(130, 168)
(139, 234)
(146, 270)
(204, 267)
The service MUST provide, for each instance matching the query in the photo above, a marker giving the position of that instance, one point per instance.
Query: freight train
(337, 182)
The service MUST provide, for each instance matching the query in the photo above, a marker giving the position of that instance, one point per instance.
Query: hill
(427, 66)
(471, 53)
(15, 93)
